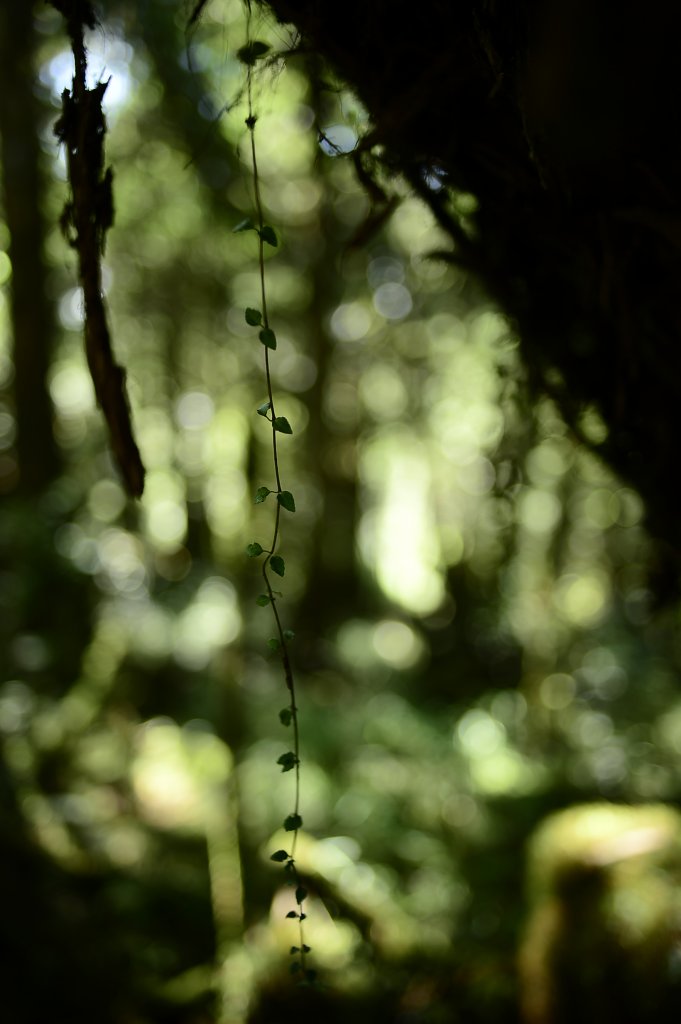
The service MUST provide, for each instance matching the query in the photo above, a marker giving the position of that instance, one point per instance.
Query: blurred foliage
(476, 643)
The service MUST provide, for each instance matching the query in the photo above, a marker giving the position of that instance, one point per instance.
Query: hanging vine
(273, 562)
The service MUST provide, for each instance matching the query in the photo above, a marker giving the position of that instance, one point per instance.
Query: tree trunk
(560, 119)
(32, 313)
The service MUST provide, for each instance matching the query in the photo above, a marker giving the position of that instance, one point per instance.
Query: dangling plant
(273, 562)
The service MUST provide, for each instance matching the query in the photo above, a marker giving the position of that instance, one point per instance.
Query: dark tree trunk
(32, 314)
(560, 119)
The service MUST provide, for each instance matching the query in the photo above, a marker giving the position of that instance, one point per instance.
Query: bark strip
(86, 218)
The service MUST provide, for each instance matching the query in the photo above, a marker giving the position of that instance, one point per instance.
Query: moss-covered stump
(602, 943)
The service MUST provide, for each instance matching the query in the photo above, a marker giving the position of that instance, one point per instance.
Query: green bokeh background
(477, 641)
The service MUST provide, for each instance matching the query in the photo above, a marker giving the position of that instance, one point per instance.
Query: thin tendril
(281, 635)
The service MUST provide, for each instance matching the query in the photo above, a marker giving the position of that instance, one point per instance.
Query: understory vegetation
(469, 597)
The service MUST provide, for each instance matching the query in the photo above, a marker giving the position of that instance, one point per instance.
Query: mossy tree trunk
(560, 119)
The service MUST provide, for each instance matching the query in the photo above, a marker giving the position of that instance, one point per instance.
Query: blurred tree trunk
(332, 570)
(32, 313)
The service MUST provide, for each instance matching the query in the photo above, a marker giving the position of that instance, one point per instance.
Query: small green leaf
(293, 949)
(292, 913)
(264, 408)
(261, 494)
(307, 949)
(287, 762)
(282, 425)
(278, 566)
(254, 549)
(268, 338)
(263, 600)
(293, 822)
(301, 894)
(294, 967)
(244, 225)
(289, 634)
(285, 716)
(274, 644)
(267, 234)
(279, 856)
(252, 52)
(285, 499)
(253, 317)
(303, 917)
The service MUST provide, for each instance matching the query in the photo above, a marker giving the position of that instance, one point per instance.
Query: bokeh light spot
(397, 643)
(351, 321)
(393, 301)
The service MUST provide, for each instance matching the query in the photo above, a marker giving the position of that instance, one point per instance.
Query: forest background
(477, 640)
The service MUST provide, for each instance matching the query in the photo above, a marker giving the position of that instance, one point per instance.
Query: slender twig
(282, 646)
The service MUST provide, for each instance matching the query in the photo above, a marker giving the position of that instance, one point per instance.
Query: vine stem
(281, 635)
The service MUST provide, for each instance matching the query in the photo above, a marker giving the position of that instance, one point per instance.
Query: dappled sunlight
(351, 321)
(179, 775)
(476, 639)
(398, 538)
(581, 600)
(210, 622)
(398, 644)
(72, 391)
(495, 766)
